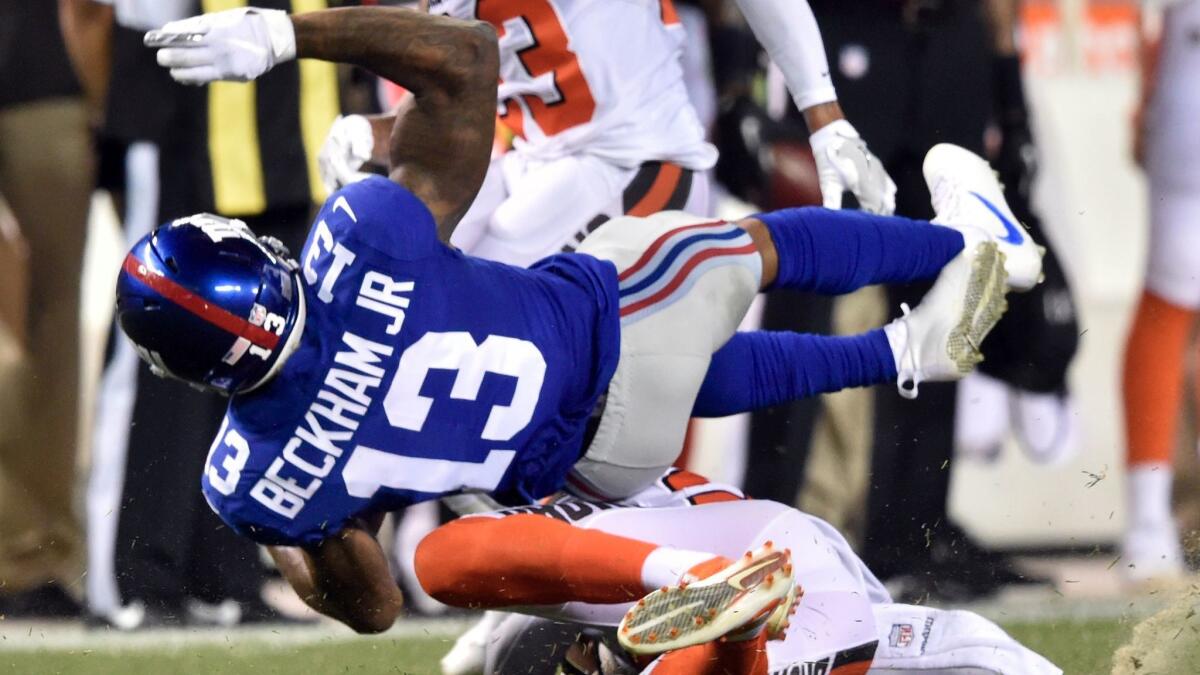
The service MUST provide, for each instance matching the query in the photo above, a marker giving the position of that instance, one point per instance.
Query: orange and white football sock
(1153, 389)
(666, 566)
(528, 559)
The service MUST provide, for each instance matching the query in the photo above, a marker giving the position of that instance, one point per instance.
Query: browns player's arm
(442, 139)
(345, 577)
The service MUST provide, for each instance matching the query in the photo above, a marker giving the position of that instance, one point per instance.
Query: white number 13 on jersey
(406, 408)
(367, 469)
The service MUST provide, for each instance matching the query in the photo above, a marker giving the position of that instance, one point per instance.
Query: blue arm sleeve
(762, 368)
(836, 252)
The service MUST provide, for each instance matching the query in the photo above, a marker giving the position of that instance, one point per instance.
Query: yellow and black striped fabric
(244, 148)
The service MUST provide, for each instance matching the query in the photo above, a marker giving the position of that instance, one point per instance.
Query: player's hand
(236, 44)
(348, 146)
(845, 164)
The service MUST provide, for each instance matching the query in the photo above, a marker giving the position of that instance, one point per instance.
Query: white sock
(1150, 494)
(665, 566)
(897, 337)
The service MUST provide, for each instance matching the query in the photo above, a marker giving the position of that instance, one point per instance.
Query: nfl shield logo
(901, 635)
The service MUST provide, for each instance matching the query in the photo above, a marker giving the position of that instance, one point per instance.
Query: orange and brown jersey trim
(657, 186)
(700, 490)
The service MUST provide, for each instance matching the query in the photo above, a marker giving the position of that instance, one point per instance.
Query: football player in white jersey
(1167, 145)
(594, 94)
(843, 622)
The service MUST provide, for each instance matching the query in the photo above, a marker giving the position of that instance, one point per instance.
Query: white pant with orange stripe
(685, 284)
(528, 208)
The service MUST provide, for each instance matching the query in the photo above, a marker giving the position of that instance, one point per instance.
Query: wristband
(280, 32)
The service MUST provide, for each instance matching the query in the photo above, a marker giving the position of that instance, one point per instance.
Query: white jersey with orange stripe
(600, 77)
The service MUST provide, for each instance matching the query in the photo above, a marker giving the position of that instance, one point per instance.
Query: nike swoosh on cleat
(1013, 235)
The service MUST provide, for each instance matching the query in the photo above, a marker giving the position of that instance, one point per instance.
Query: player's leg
(824, 251)
(915, 639)
(835, 612)
(1153, 381)
(545, 562)
(835, 252)
(818, 250)
(685, 284)
(937, 341)
(835, 617)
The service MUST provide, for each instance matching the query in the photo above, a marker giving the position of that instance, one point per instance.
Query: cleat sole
(708, 609)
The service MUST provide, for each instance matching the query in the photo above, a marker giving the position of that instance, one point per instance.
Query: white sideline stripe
(17, 636)
(115, 400)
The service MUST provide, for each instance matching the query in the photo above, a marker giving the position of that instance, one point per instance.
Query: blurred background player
(1167, 146)
(915, 73)
(46, 178)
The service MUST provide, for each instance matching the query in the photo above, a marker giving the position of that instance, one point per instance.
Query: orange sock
(1153, 379)
(532, 559)
(748, 657)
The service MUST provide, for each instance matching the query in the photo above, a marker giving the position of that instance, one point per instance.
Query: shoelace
(908, 372)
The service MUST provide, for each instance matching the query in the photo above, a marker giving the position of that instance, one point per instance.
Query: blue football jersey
(420, 372)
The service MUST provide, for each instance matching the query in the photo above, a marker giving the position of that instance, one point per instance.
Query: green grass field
(1078, 647)
(381, 655)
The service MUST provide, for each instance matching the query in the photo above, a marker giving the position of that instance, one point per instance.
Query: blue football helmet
(206, 302)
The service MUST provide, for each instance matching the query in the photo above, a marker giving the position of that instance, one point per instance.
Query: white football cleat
(1151, 554)
(939, 340)
(965, 192)
(751, 593)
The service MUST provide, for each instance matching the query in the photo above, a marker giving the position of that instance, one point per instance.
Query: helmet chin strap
(289, 347)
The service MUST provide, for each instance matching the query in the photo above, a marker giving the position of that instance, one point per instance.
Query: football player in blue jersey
(385, 367)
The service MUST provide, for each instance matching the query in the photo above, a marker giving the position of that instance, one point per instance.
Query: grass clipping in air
(1166, 643)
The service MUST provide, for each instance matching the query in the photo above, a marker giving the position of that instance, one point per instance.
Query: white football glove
(236, 44)
(349, 144)
(844, 163)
